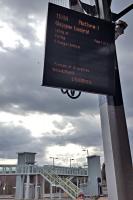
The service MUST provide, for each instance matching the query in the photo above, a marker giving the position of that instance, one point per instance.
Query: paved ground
(6, 197)
(9, 197)
(101, 198)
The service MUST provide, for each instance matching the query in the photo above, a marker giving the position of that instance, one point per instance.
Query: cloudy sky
(43, 120)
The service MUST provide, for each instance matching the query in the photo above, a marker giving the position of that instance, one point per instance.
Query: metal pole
(36, 187)
(71, 162)
(53, 158)
(53, 162)
(114, 130)
(43, 188)
(27, 187)
(51, 191)
(117, 152)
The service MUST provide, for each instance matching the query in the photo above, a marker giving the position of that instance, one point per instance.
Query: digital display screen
(80, 52)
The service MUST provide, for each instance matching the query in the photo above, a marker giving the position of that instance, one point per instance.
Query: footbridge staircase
(52, 174)
(64, 183)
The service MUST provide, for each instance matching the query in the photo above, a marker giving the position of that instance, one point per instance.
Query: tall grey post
(24, 158)
(117, 153)
(27, 188)
(19, 187)
(43, 188)
(36, 187)
(94, 173)
(114, 130)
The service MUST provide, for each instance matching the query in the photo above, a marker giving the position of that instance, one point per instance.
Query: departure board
(79, 52)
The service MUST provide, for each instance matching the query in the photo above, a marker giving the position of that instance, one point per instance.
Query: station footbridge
(31, 179)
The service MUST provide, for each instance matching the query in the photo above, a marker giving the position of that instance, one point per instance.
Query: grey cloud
(85, 133)
(21, 74)
(22, 70)
(17, 139)
(14, 139)
(22, 8)
(19, 13)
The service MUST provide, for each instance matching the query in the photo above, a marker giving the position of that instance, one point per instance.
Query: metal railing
(50, 173)
(34, 169)
(71, 189)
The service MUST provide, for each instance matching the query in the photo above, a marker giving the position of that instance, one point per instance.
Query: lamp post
(86, 151)
(71, 161)
(54, 158)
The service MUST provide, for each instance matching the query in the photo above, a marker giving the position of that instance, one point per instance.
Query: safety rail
(50, 174)
(71, 189)
(34, 169)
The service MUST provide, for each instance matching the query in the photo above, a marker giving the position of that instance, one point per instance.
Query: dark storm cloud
(84, 138)
(125, 54)
(20, 13)
(15, 139)
(21, 91)
(86, 132)
(22, 72)
(25, 7)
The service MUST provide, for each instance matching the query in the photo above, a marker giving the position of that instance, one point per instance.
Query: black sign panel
(80, 52)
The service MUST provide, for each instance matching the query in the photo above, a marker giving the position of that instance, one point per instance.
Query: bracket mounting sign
(80, 52)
